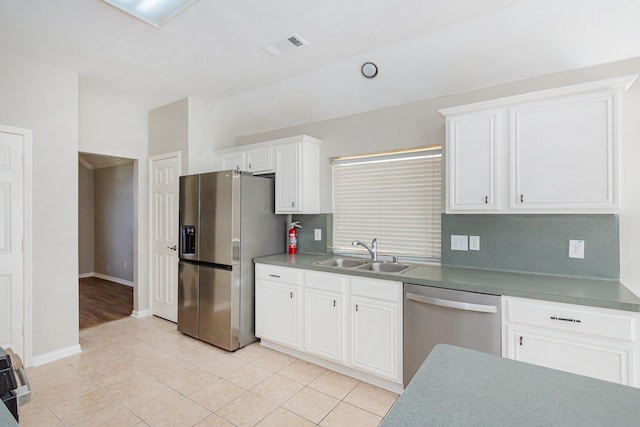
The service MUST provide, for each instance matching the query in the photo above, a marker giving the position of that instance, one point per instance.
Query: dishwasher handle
(458, 305)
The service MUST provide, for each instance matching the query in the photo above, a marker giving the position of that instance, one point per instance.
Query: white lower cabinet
(594, 342)
(376, 327)
(352, 322)
(374, 343)
(278, 305)
(325, 315)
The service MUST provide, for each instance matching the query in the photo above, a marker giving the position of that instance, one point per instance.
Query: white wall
(117, 126)
(420, 124)
(201, 157)
(39, 97)
(86, 241)
(630, 217)
(492, 50)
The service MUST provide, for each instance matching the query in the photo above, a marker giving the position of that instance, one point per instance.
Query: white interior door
(11, 240)
(165, 174)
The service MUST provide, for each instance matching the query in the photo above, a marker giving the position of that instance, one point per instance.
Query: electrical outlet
(125, 265)
(108, 268)
(459, 242)
(576, 249)
(474, 243)
(317, 234)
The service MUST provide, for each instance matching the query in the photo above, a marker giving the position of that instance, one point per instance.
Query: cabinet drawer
(278, 274)
(325, 281)
(573, 318)
(379, 289)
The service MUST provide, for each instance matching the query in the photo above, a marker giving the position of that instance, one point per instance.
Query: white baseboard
(55, 355)
(140, 313)
(105, 277)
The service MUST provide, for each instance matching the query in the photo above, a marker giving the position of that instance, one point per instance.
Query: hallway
(103, 301)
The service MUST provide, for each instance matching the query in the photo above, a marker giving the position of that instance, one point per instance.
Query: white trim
(112, 279)
(55, 355)
(140, 313)
(175, 154)
(85, 275)
(27, 249)
(622, 83)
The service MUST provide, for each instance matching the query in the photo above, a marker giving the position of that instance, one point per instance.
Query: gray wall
(169, 131)
(86, 241)
(113, 221)
(536, 243)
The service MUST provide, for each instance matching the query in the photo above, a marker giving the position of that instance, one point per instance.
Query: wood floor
(102, 301)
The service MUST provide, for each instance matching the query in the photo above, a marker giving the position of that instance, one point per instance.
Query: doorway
(105, 238)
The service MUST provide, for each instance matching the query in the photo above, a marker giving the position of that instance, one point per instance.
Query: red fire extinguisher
(293, 237)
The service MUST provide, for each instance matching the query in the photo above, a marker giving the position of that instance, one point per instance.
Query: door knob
(173, 248)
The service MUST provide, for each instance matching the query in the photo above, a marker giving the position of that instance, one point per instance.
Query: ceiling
(213, 49)
(97, 161)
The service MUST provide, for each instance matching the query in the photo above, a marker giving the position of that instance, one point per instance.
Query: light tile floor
(138, 372)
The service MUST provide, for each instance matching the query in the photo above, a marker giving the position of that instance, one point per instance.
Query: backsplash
(306, 242)
(536, 243)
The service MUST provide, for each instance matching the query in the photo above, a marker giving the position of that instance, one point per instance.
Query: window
(395, 197)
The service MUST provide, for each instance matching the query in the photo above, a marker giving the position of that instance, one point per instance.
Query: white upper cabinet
(295, 162)
(260, 160)
(555, 151)
(564, 154)
(233, 160)
(256, 159)
(298, 176)
(471, 161)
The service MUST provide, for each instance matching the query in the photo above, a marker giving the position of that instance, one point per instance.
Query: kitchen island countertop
(572, 290)
(6, 419)
(460, 387)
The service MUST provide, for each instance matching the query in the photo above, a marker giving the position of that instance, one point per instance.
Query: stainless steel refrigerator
(226, 219)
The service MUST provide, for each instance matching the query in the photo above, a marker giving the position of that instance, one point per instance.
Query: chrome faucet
(373, 249)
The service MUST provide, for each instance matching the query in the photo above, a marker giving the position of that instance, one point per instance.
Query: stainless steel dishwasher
(443, 316)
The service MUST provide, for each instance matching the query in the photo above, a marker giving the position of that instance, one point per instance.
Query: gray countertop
(461, 387)
(6, 419)
(573, 290)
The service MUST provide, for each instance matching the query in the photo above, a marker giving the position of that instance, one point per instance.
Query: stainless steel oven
(443, 316)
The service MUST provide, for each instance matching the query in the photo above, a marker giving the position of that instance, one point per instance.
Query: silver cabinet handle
(452, 304)
(565, 319)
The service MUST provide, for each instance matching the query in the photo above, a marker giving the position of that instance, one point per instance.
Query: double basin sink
(356, 264)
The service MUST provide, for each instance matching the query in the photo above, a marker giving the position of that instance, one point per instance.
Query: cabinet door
(278, 313)
(374, 335)
(324, 324)
(592, 358)
(232, 161)
(288, 178)
(260, 161)
(472, 162)
(564, 155)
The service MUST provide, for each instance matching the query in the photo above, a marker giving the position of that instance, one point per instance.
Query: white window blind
(396, 198)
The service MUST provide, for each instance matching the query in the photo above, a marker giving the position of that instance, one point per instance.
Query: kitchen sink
(385, 267)
(340, 263)
(377, 267)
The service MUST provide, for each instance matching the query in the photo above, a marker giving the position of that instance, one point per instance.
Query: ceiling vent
(286, 44)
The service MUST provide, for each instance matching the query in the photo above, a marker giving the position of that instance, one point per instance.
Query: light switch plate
(474, 243)
(576, 249)
(459, 242)
(317, 234)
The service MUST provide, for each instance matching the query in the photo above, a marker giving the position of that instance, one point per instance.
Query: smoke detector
(291, 42)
